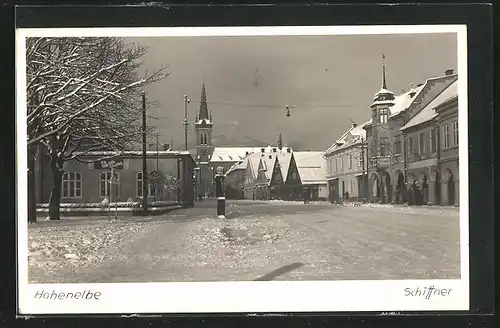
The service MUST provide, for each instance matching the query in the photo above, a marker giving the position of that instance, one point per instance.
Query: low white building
(344, 165)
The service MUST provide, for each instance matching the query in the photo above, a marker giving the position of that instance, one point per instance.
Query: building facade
(91, 179)
(397, 153)
(432, 147)
(345, 171)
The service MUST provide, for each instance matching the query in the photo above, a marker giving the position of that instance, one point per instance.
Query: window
(410, 146)
(397, 147)
(106, 182)
(383, 115)
(350, 161)
(454, 128)
(446, 136)
(336, 164)
(421, 143)
(341, 158)
(384, 141)
(139, 186)
(294, 175)
(72, 185)
(203, 138)
(433, 141)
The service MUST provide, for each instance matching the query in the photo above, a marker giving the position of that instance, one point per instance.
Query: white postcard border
(247, 297)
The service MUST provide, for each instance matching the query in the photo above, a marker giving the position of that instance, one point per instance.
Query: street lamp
(287, 110)
(186, 102)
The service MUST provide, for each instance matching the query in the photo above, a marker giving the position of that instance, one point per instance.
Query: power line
(225, 103)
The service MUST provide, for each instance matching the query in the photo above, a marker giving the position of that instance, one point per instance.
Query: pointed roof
(280, 142)
(383, 96)
(284, 159)
(203, 111)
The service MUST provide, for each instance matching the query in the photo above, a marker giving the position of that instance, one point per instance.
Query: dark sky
(329, 79)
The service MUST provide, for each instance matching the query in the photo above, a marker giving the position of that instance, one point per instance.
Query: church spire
(203, 112)
(280, 142)
(384, 84)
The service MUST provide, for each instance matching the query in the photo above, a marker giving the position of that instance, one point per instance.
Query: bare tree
(83, 95)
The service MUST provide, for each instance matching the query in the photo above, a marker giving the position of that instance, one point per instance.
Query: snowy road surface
(257, 241)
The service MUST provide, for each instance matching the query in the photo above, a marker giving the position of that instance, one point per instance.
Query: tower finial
(280, 142)
(384, 85)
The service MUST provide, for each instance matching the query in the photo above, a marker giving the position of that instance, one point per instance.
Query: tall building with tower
(204, 147)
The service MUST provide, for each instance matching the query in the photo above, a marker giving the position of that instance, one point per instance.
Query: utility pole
(186, 102)
(144, 162)
(363, 165)
(157, 155)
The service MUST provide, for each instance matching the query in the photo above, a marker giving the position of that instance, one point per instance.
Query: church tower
(381, 110)
(204, 148)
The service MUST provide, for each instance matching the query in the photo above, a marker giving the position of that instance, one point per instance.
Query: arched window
(109, 186)
(72, 185)
(201, 138)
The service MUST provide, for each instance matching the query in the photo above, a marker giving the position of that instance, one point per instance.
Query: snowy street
(270, 240)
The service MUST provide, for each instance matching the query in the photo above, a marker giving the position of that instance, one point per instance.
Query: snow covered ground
(308, 241)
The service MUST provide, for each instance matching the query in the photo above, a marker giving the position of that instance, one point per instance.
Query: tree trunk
(55, 194)
(31, 185)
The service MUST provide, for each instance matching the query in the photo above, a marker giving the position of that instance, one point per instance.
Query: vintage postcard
(242, 169)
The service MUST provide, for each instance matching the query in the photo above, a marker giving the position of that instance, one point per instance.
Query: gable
(292, 169)
(276, 175)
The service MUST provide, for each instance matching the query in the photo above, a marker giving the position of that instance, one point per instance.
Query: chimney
(449, 72)
(262, 150)
(274, 150)
(354, 125)
(270, 156)
(246, 153)
(419, 85)
(412, 93)
(166, 147)
(288, 150)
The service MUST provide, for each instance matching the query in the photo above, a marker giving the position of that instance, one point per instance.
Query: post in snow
(219, 193)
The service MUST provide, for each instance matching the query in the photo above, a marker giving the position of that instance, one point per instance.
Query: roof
(350, 137)
(236, 167)
(311, 166)
(428, 112)
(236, 154)
(267, 162)
(284, 159)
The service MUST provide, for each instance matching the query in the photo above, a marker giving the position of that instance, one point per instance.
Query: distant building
(235, 180)
(311, 168)
(344, 166)
(208, 157)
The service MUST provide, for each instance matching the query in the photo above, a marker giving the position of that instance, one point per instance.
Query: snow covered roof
(236, 167)
(284, 159)
(350, 137)
(428, 112)
(311, 166)
(253, 161)
(382, 91)
(204, 121)
(236, 154)
(267, 161)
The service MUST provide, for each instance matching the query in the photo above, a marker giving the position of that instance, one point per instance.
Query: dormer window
(381, 98)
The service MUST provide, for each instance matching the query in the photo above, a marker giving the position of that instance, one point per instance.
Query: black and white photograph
(229, 169)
